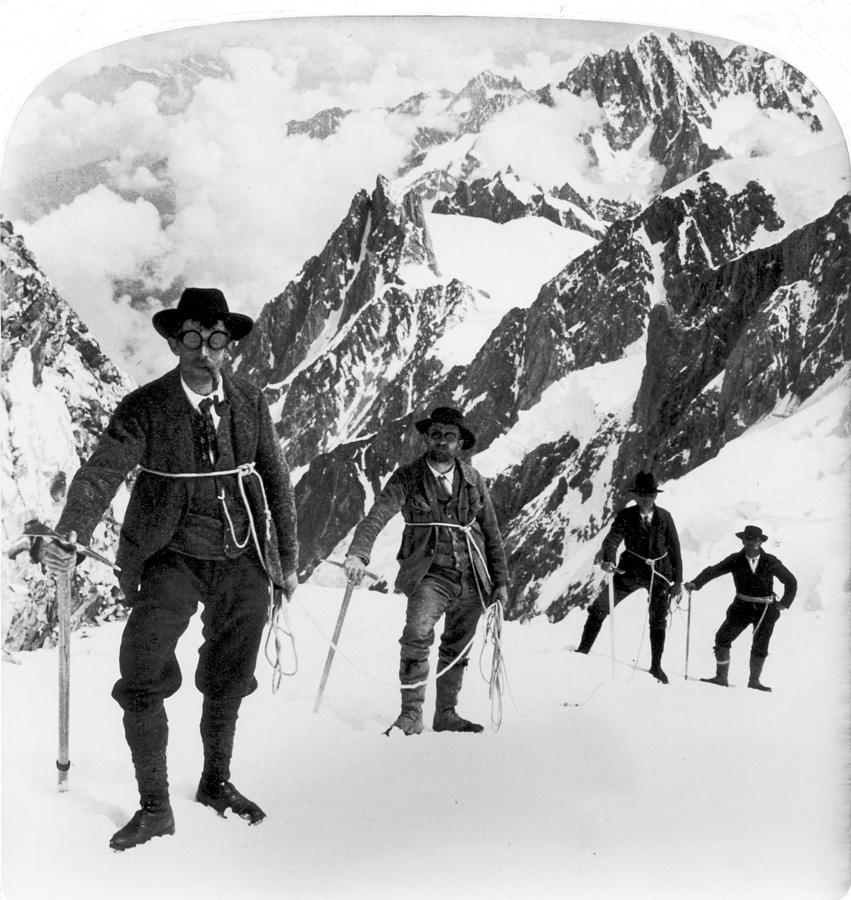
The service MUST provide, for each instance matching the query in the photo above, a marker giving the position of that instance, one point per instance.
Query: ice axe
(329, 659)
(688, 632)
(611, 580)
(36, 529)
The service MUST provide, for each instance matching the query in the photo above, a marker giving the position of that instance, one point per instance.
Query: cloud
(554, 156)
(86, 244)
(743, 129)
(76, 131)
(252, 203)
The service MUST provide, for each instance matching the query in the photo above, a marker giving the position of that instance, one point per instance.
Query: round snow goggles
(192, 340)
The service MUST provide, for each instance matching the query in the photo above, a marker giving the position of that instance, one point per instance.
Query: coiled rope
(324, 635)
(494, 616)
(276, 609)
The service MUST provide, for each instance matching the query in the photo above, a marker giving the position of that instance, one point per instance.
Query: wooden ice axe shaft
(63, 609)
(330, 658)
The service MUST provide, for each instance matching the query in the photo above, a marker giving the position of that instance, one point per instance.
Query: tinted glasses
(436, 434)
(192, 340)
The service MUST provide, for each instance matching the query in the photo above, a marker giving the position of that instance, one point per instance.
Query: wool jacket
(152, 427)
(660, 539)
(753, 584)
(412, 490)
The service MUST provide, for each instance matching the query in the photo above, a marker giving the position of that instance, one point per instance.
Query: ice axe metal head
(37, 529)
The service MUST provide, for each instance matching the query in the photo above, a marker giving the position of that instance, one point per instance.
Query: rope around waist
(472, 546)
(493, 619)
(242, 472)
(651, 561)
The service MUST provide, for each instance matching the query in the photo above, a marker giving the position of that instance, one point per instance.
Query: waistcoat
(205, 532)
(451, 556)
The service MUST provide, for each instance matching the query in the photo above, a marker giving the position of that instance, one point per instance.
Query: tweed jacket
(152, 427)
(659, 540)
(412, 489)
(759, 583)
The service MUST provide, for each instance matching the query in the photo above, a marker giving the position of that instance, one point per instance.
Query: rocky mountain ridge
(58, 392)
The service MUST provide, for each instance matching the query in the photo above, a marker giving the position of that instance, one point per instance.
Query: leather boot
(593, 624)
(757, 662)
(218, 727)
(657, 645)
(147, 736)
(722, 667)
(448, 688)
(410, 719)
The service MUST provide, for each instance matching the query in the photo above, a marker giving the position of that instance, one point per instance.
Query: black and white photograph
(426, 451)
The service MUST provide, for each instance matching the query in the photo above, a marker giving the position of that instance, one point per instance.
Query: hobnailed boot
(410, 719)
(722, 667)
(218, 727)
(147, 736)
(593, 624)
(757, 662)
(657, 645)
(448, 688)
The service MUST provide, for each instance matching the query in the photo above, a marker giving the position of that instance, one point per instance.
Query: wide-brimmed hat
(445, 415)
(751, 532)
(202, 304)
(644, 483)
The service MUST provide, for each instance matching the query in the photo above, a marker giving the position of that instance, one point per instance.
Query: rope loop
(276, 609)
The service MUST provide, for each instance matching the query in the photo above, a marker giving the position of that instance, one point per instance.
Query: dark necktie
(445, 486)
(210, 441)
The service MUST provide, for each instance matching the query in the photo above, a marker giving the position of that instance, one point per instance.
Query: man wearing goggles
(451, 564)
(190, 535)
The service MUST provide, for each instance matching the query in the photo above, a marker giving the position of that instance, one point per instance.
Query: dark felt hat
(445, 415)
(203, 305)
(751, 532)
(644, 483)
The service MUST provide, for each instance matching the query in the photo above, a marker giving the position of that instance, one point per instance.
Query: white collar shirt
(444, 479)
(195, 399)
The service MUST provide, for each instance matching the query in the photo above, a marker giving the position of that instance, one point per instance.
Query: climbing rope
(276, 607)
(405, 687)
(494, 615)
(650, 561)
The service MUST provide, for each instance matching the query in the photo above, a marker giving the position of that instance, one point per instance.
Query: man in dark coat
(451, 562)
(188, 537)
(753, 572)
(651, 560)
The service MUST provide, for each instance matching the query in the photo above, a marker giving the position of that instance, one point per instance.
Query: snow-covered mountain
(506, 197)
(662, 93)
(720, 311)
(584, 336)
(58, 392)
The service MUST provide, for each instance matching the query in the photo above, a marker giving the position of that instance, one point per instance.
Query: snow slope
(634, 790)
(805, 187)
(509, 262)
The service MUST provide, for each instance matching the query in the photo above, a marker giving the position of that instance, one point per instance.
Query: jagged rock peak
(489, 81)
(414, 105)
(398, 230)
(58, 390)
(321, 125)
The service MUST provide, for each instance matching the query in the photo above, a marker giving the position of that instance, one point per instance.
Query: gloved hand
(689, 586)
(58, 558)
(608, 566)
(355, 569)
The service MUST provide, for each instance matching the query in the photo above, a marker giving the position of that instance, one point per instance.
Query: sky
(254, 204)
